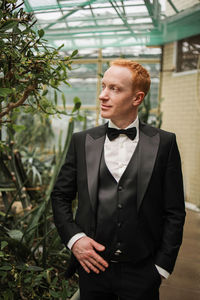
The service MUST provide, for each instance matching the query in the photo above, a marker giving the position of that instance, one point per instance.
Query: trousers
(121, 281)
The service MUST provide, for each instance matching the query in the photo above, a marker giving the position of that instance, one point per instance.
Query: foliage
(145, 115)
(27, 66)
(33, 130)
(33, 260)
(25, 281)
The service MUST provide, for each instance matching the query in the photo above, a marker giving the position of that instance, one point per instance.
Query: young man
(128, 226)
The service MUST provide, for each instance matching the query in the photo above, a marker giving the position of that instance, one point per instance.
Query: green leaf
(63, 100)
(5, 92)
(44, 92)
(6, 268)
(60, 47)
(3, 244)
(8, 25)
(77, 104)
(34, 268)
(54, 294)
(15, 234)
(75, 52)
(33, 223)
(55, 97)
(18, 128)
(76, 100)
(80, 118)
(67, 83)
(41, 33)
(16, 30)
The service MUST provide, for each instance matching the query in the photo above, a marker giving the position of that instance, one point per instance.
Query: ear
(138, 98)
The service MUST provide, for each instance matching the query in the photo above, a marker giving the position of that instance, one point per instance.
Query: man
(129, 221)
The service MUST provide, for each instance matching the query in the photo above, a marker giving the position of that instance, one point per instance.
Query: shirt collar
(133, 124)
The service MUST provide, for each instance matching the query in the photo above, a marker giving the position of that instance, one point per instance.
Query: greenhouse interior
(54, 54)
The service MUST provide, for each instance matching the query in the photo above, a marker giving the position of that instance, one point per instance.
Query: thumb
(97, 246)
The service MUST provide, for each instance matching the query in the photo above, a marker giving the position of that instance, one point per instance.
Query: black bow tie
(113, 133)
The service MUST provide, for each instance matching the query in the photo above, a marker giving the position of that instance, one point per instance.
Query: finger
(85, 267)
(99, 259)
(92, 267)
(97, 246)
(97, 264)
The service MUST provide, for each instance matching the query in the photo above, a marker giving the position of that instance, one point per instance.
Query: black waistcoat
(117, 219)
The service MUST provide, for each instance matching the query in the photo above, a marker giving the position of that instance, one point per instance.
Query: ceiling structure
(81, 24)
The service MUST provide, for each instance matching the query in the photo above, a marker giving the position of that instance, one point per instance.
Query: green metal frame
(99, 28)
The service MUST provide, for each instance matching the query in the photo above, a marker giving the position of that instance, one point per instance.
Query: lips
(105, 107)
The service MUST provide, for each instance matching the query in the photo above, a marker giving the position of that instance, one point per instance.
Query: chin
(105, 115)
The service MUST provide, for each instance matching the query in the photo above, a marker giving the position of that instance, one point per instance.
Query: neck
(124, 123)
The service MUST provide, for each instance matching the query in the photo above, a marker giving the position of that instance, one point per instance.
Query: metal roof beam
(70, 13)
(173, 6)
(98, 18)
(92, 36)
(46, 8)
(93, 16)
(154, 11)
(102, 28)
(122, 18)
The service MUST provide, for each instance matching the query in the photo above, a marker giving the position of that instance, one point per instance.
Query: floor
(184, 283)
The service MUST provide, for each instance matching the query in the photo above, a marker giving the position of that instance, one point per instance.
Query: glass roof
(81, 24)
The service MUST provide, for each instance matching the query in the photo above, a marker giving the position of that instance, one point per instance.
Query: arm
(174, 211)
(71, 234)
(64, 192)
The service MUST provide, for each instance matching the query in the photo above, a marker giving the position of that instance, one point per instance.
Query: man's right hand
(84, 250)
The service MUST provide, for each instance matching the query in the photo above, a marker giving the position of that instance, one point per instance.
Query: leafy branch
(28, 65)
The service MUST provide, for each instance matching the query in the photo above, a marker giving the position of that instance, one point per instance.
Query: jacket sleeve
(64, 192)
(173, 210)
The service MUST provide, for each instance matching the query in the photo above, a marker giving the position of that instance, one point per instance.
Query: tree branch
(13, 105)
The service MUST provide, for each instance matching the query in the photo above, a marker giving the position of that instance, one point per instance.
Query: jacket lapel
(147, 153)
(94, 147)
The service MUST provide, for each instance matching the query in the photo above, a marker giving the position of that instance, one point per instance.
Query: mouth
(105, 107)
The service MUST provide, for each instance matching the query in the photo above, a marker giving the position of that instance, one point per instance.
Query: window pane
(188, 52)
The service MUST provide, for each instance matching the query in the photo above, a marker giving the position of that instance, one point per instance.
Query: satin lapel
(94, 149)
(148, 148)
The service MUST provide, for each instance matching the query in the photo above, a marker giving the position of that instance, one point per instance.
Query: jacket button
(119, 205)
(120, 188)
(119, 224)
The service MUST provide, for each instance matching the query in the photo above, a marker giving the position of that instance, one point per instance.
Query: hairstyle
(141, 77)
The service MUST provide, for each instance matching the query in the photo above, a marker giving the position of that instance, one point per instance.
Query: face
(118, 95)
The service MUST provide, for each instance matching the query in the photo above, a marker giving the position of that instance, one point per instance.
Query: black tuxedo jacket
(160, 199)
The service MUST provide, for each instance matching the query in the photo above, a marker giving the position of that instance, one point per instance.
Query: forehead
(118, 75)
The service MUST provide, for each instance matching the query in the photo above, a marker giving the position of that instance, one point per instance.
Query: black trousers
(121, 281)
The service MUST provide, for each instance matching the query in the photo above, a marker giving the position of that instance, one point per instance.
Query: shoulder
(95, 132)
(151, 131)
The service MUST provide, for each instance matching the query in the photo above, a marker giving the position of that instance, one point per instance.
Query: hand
(84, 250)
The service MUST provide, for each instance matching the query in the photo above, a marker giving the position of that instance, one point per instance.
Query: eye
(114, 88)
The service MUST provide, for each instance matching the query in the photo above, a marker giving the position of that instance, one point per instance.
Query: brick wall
(181, 114)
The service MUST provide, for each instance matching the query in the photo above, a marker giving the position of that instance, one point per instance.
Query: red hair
(141, 77)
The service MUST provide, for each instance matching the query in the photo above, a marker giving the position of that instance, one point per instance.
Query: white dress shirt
(118, 153)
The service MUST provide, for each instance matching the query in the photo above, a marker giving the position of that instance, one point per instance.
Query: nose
(103, 95)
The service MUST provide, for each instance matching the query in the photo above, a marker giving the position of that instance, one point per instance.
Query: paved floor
(184, 283)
